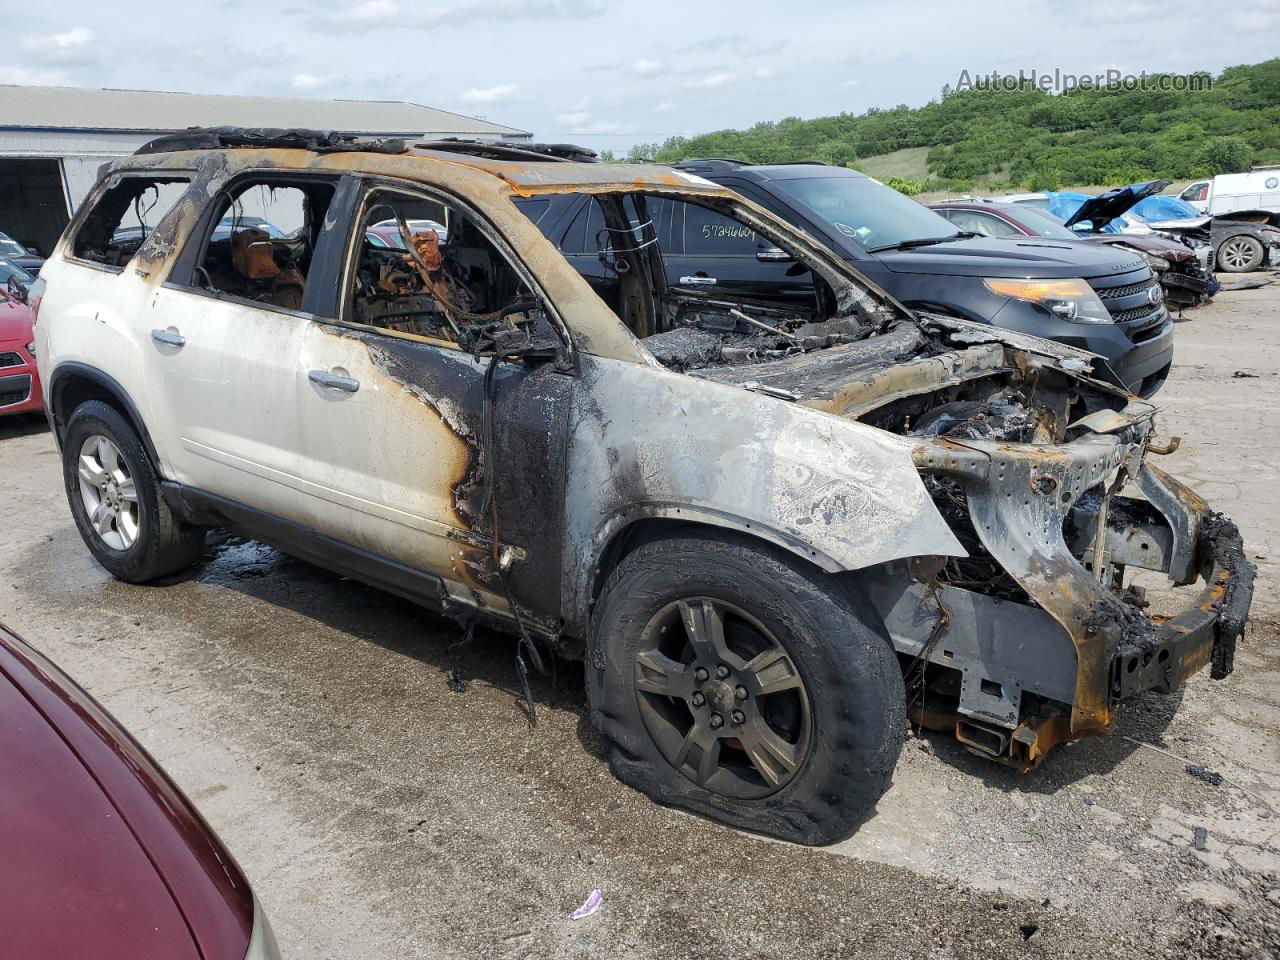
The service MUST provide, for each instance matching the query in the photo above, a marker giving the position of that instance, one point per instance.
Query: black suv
(1105, 301)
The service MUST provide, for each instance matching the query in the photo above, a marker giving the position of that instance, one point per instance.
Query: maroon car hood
(15, 321)
(100, 854)
(75, 882)
(1156, 246)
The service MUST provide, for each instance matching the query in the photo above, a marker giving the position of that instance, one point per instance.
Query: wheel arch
(633, 528)
(72, 384)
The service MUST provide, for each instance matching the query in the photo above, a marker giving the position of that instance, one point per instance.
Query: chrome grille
(1128, 290)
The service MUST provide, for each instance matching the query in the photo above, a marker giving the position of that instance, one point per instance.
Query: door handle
(326, 379)
(702, 280)
(170, 338)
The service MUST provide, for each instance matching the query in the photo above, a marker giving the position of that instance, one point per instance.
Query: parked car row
(1183, 270)
(729, 434)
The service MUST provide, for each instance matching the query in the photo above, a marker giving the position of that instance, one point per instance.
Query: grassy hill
(1026, 138)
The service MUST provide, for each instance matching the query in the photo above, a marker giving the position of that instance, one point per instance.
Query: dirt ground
(379, 814)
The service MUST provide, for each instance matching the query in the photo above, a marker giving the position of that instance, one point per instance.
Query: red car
(19, 382)
(100, 854)
(1185, 279)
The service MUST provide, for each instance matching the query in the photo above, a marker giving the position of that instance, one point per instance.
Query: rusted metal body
(817, 454)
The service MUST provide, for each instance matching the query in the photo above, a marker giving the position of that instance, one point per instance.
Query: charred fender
(646, 441)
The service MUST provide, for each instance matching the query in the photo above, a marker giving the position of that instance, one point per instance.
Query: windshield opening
(865, 211)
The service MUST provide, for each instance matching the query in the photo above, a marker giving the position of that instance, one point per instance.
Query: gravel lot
(379, 814)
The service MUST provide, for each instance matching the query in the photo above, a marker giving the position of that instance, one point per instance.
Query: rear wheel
(116, 501)
(737, 683)
(1240, 254)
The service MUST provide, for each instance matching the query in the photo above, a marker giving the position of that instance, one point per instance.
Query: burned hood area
(1031, 632)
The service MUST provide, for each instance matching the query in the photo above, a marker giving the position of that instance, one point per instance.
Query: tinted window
(587, 233)
(12, 270)
(859, 208)
(124, 217)
(10, 247)
(709, 232)
(1045, 224)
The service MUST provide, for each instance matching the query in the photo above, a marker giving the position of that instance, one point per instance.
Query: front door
(431, 467)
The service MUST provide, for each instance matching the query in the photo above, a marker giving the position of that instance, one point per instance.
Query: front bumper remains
(1051, 657)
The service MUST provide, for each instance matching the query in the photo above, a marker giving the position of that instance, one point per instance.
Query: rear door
(223, 342)
(715, 255)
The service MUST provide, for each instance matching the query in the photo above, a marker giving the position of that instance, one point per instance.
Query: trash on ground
(589, 906)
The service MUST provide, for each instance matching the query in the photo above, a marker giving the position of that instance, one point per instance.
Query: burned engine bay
(1036, 634)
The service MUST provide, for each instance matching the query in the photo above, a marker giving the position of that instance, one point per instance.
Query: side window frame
(193, 252)
(352, 239)
(91, 203)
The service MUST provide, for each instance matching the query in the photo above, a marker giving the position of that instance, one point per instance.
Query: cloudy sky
(608, 73)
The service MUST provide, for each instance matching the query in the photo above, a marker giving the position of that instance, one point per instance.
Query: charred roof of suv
(330, 141)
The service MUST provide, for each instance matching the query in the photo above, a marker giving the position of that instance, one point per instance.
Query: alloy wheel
(722, 698)
(108, 492)
(1237, 253)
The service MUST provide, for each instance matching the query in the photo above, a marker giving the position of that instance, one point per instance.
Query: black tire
(852, 684)
(163, 543)
(1240, 254)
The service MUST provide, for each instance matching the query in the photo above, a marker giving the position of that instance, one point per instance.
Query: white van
(1228, 192)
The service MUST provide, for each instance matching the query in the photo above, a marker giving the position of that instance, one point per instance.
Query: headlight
(1158, 264)
(1072, 300)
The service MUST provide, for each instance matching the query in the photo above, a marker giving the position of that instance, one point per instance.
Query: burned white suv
(772, 532)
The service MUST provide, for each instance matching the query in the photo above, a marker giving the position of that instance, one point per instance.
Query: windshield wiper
(923, 241)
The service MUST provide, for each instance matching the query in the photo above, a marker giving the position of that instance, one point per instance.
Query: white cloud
(584, 122)
(711, 80)
(57, 43)
(597, 126)
(501, 93)
(307, 81)
(645, 68)
(391, 15)
(765, 72)
(372, 11)
(663, 106)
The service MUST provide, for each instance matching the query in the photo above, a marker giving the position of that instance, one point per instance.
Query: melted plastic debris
(589, 906)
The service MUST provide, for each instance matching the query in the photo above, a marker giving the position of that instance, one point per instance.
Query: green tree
(1226, 155)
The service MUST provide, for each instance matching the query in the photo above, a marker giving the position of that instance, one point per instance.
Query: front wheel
(116, 501)
(737, 683)
(1240, 254)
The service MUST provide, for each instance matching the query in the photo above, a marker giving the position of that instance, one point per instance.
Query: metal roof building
(53, 139)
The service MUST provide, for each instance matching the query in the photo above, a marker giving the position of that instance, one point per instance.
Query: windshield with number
(875, 216)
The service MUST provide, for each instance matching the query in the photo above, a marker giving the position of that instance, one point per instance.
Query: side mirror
(773, 255)
(33, 251)
(16, 290)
